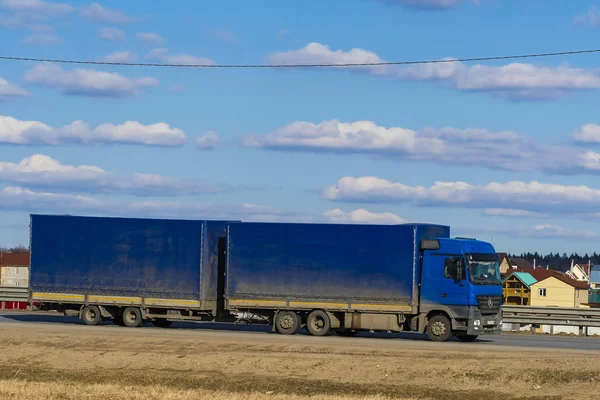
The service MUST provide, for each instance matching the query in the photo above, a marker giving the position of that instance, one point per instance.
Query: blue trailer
(327, 278)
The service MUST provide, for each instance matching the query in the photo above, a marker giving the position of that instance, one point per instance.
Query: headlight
(477, 322)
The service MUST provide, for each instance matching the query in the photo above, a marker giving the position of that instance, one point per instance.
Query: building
(544, 288)
(580, 271)
(507, 264)
(14, 268)
(594, 292)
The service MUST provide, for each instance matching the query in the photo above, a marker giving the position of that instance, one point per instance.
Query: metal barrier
(581, 317)
(12, 293)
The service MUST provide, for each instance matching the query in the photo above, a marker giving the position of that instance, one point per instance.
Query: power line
(374, 64)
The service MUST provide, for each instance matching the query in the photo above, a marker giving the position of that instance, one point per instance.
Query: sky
(507, 151)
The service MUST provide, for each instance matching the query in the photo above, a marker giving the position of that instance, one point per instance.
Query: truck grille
(489, 304)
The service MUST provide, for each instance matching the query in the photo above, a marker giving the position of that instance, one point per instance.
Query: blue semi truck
(327, 278)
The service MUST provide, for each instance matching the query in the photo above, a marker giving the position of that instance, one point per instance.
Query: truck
(325, 278)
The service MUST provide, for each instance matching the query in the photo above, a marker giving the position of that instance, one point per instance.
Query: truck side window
(453, 268)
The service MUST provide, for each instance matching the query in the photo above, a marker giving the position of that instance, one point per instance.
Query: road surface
(521, 340)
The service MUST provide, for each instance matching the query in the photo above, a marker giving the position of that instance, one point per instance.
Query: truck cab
(460, 285)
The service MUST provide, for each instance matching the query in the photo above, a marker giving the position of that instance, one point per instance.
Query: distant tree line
(557, 261)
(15, 249)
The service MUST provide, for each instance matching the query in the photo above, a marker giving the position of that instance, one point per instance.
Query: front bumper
(489, 324)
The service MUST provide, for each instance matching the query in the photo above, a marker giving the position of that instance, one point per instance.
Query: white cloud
(588, 133)
(42, 172)
(474, 147)
(121, 57)
(511, 212)
(591, 17)
(163, 55)
(87, 82)
(32, 201)
(529, 196)
(336, 136)
(208, 141)
(111, 33)
(15, 131)
(95, 12)
(41, 39)
(39, 7)
(544, 231)
(516, 81)
(361, 215)
(9, 91)
(150, 38)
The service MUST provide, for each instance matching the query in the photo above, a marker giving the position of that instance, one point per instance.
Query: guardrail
(581, 317)
(12, 293)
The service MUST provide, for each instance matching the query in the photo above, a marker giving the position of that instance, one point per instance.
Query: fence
(581, 321)
(12, 298)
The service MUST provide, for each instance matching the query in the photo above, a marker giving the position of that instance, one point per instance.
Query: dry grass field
(51, 361)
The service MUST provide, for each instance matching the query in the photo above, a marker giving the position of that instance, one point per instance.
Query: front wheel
(439, 328)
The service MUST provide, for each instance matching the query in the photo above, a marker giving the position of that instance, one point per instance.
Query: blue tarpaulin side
(116, 256)
(324, 262)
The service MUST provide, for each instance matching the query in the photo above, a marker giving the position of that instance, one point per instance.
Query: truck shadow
(205, 326)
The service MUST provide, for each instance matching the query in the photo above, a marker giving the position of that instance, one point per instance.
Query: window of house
(542, 292)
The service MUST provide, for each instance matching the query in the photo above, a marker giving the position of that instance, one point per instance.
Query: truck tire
(463, 337)
(287, 322)
(90, 315)
(132, 317)
(162, 323)
(439, 328)
(318, 323)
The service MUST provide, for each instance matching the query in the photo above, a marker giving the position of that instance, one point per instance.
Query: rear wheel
(162, 323)
(91, 315)
(439, 328)
(318, 323)
(463, 337)
(132, 317)
(287, 322)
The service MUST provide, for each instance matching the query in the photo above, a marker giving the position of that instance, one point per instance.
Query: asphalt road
(521, 340)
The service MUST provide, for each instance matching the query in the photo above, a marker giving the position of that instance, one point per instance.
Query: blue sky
(507, 151)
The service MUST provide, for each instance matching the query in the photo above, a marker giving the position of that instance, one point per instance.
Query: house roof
(525, 277)
(521, 263)
(14, 258)
(502, 256)
(543, 274)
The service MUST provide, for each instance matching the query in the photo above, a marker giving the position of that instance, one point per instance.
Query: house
(509, 263)
(544, 288)
(14, 268)
(594, 291)
(580, 271)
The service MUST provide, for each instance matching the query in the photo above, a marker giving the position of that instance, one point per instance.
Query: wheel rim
(91, 314)
(131, 318)
(318, 324)
(438, 328)
(287, 321)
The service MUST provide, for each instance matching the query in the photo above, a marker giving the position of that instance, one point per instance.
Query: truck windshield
(484, 270)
